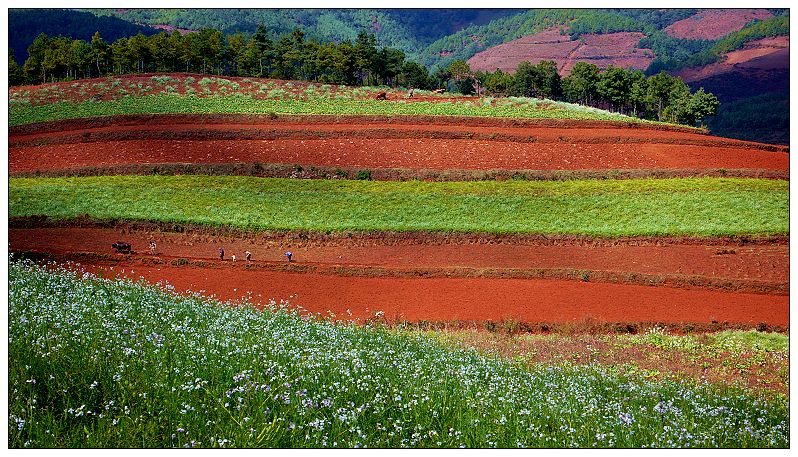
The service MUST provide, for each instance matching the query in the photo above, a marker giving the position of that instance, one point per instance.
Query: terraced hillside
(551, 215)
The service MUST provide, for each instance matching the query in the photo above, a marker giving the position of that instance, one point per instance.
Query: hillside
(714, 24)
(735, 66)
(753, 85)
(407, 29)
(617, 49)
(25, 24)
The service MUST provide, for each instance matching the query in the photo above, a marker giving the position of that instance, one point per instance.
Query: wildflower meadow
(95, 362)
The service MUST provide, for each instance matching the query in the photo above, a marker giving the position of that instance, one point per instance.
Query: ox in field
(122, 248)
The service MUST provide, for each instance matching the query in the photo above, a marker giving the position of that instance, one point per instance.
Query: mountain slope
(407, 29)
(25, 24)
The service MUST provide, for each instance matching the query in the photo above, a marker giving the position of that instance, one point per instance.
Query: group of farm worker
(248, 255)
(125, 248)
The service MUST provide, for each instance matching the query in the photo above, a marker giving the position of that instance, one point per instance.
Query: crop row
(689, 207)
(98, 363)
(243, 104)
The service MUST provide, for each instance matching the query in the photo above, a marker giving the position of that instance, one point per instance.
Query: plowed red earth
(466, 299)
(405, 297)
(386, 145)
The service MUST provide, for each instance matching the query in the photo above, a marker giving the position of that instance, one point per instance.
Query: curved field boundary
(258, 119)
(281, 170)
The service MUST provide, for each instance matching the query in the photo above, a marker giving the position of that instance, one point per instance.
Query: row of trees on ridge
(211, 52)
(661, 96)
(362, 62)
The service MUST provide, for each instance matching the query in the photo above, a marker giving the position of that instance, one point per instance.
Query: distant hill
(714, 24)
(24, 25)
(618, 49)
(753, 85)
(407, 29)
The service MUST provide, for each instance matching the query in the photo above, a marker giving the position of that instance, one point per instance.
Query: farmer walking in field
(221, 253)
(289, 255)
(152, 247)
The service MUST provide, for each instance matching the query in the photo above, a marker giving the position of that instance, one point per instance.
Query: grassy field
(98, 363)
(178, 104)
(692, 206)
(160, 95)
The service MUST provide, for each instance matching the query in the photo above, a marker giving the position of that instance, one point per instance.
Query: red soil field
(437, 146)
(712, 24)
(723, 260)
(618, 49)
(444, 297)
(470, 299)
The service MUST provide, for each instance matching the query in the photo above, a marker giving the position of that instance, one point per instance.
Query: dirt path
(723, 261)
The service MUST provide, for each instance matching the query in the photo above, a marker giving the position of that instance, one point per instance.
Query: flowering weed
(99, 363)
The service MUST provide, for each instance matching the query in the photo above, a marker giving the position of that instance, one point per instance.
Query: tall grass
(97, 363)
(700, 207)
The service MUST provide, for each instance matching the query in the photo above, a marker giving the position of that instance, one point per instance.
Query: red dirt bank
(436, 145)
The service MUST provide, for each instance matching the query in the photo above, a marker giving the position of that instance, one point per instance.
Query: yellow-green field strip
(635, 207)
(21, 113)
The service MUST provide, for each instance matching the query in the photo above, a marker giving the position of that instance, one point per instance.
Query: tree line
(659, 97)
(209, 51)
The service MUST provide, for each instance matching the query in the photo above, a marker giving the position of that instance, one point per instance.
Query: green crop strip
(244, 104)
(688, 207)
(115, 364)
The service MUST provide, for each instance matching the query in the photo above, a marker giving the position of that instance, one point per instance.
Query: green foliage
(700, 207)
(15, 74)
(210, 51)
(25, 24)
(115, 364)
(658, 18)
(581, 86)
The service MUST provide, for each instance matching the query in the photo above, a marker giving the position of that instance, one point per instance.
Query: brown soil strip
(221, 132)
(371, 271)
(415, 154)
(172, 128)
(467, 299)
